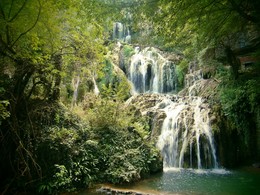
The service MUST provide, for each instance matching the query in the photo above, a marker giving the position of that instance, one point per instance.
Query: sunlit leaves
(180, 23)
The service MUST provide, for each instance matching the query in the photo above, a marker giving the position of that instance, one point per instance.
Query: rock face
(119, 191)
(196, 85)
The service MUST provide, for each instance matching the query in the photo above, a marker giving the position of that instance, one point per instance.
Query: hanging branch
(10, 9)
(2, 11)
(17, 13)
(29, 29)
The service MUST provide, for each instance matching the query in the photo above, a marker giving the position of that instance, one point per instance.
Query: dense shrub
(239, 103)
(104, 143)
(123, 142)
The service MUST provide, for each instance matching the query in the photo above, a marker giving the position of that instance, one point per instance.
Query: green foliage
(192, 25)
(119, 90)
(107, 73)
(119, 114)
(44, 46)
(240, 101)
(122, 138)
(128, 51)
(62, 177)
(113, 84)
(74, 153)
(4, 113)
(181, 70)
(67, 155)
(125, 166)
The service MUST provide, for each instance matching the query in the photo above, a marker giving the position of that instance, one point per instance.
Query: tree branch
(4, 46)
(24, 33)
(10, 10)
(21, 8)
(2, 11)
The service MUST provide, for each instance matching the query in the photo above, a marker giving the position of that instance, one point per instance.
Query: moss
(128, 51)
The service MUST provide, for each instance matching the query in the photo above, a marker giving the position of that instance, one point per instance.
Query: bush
(66, 154)
(122, 138)
(128, 51)
(240, 104)
(110, 144)
(181, 70)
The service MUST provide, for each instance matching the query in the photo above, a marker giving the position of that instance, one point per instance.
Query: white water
(121, 32)
(96, 90)
(186, 139)
(150, 72)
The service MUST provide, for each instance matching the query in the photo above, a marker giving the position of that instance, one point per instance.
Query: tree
(40, 41)
(213, 23)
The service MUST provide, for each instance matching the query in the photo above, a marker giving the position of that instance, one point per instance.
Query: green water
(190, 181)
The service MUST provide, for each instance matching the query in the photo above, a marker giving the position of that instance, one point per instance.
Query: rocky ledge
(117, 191)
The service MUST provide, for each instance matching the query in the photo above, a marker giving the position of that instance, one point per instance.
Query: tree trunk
(56, 89)
(233, 61)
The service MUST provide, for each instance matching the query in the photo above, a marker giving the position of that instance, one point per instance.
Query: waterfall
(150, 72)
(185, 139)
(118, 31)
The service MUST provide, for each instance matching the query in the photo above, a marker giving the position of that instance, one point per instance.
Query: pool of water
(191, 181)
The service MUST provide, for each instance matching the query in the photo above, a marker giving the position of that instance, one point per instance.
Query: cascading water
(121, 32)
(150, 72)
(186, 139)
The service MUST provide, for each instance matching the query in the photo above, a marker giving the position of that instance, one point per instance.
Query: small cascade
(75, 85)
(121, 32)
(128, 36)
(118, 31)
(96, 90)
(150, 72)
